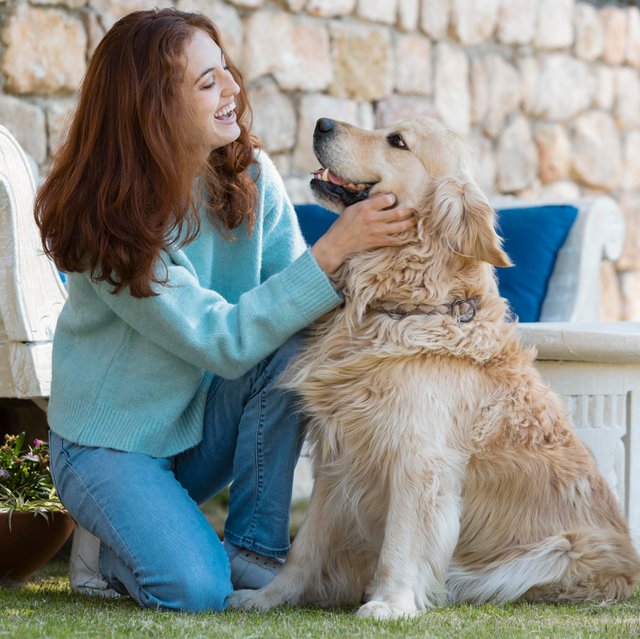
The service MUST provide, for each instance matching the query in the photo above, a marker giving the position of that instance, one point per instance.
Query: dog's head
(426, 165)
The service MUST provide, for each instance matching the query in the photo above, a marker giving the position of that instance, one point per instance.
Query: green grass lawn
(45, 607)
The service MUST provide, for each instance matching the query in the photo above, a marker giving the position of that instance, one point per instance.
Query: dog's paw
(250, 600)
(385, 610)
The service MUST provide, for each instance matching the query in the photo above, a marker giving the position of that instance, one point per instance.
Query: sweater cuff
(325, 296)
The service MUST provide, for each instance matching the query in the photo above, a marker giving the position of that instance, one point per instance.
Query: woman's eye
(209, 86)
(396, 140)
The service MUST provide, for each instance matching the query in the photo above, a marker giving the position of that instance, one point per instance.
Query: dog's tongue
(327, 176)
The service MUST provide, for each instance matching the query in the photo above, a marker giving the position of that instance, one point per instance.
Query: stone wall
(547, 90)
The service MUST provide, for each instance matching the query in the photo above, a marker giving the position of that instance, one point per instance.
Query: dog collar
(462, 310)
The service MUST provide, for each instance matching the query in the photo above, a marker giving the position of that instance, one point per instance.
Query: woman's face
(212, 90)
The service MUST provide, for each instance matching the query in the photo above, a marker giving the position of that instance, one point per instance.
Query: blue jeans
(157, 546)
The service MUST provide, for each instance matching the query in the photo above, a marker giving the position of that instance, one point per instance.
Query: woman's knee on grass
(197, 588)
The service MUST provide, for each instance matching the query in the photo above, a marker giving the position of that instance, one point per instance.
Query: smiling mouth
(226, 113)
(329, 185)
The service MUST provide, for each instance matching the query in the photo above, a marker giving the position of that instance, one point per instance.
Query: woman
(188, 282)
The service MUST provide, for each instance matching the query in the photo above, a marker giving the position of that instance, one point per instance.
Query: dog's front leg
(421, 533)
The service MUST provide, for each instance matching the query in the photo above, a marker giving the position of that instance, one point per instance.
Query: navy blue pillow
(532, 238)
(314, 221)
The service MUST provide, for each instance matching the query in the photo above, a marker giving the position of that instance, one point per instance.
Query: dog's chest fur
(370, 396)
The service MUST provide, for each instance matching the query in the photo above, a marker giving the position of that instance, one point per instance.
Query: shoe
(84, 569)
(250, 570)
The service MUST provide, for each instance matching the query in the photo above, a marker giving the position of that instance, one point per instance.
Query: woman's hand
(366, 225)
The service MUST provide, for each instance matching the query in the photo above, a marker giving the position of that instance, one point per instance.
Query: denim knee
(205, 593)
(196, 590)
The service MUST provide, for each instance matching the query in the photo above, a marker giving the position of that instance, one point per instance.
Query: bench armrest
(616, 342)
(31, 291)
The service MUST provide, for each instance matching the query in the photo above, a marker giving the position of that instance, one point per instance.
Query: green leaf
(19, 442)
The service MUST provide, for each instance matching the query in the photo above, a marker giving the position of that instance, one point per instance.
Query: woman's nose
(231, 87)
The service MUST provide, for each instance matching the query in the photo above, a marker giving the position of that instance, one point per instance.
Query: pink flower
(37, 442)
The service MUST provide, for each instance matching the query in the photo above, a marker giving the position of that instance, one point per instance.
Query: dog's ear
(463, 216)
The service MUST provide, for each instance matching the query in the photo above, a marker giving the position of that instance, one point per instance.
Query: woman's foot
(249, 569)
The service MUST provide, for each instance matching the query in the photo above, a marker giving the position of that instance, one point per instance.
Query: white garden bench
(594, 366)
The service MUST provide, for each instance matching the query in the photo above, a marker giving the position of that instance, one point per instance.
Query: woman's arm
(201, 327)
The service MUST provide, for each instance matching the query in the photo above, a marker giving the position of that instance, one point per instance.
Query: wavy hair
(121, 187)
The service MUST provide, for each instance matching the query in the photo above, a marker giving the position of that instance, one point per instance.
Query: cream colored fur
(445, 469)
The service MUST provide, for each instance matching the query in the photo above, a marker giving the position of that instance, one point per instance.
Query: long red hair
(121, 187)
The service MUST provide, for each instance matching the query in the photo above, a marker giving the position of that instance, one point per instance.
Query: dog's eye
(397, 141)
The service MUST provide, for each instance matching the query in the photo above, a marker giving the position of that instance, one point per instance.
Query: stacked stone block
(548, 91)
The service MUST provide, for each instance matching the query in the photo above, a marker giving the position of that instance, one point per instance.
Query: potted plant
(33, 522)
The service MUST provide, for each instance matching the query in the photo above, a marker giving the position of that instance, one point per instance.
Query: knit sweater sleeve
(282, 238)
(199, 326)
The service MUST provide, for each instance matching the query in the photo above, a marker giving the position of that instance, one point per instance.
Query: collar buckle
(464, 310)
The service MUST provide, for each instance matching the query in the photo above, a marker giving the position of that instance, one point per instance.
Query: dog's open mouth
(327, 184)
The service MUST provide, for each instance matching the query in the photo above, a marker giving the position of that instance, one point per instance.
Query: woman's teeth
(223, 113)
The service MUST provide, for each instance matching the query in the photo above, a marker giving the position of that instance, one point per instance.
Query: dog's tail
(572, 566)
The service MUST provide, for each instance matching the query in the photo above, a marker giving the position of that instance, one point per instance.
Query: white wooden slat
(7, 388)
(31, 292)
(31, 368)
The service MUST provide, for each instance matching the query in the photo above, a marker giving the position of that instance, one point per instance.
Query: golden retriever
(445, 469)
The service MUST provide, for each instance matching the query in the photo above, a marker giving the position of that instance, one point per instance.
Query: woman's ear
(466, 220)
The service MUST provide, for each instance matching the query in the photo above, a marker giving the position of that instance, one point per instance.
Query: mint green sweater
(133, 373)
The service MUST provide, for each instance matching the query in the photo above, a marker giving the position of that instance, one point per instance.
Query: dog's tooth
(325, 175)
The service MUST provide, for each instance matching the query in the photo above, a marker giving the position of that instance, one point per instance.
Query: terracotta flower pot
(31, 542)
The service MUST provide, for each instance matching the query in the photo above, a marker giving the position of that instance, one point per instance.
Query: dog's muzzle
(325, 183)
(338, 192)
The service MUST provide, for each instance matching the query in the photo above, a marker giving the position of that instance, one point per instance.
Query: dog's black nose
(324, 125)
